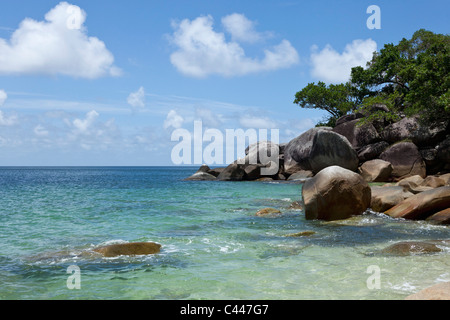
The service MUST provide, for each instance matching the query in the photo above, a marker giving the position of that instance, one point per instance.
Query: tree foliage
(415, 71)
(411, 78)
(337, 100)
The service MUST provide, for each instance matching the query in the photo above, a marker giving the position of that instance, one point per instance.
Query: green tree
(413, 76)
(337, 100)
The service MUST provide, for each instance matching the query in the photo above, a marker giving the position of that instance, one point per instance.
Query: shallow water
(213, 246)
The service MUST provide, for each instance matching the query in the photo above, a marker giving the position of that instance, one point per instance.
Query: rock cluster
(381, 151)
(336, 165)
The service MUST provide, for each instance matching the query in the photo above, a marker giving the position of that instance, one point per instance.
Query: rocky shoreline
(400, 169)
(409, 161)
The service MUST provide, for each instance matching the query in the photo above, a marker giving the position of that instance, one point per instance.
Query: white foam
(404, 287)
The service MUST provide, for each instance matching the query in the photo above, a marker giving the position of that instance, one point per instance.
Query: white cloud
(241, 28)
(208, 117)
(7, 121)
(173, 120)
(328, 65)
(57, 45)
(203, 51)
(3, 97)
(40, 131)
(248, 121)
(83, 126)
(137, 99)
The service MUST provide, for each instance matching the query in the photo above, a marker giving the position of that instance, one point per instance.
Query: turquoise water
(213, 245)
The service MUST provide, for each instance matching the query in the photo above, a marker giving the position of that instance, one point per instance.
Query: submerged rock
(301, 234)
(411, 248)
(129, 249)
(357, 221)
(268, 212)
(335, 193)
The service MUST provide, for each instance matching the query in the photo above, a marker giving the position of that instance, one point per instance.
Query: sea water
(213, 245)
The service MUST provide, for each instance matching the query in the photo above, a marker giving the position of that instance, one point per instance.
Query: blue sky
(107, 82)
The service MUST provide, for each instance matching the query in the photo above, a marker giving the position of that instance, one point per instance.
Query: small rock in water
(129, 249)
(201, 176)
(357, 221)
(296, 205)
(268, 212)
(301, 234)
(411, 248)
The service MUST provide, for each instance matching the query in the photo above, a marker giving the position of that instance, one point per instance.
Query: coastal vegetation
(411, 78)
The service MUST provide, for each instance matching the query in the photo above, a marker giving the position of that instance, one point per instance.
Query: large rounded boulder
(297, 151)
(262, 152)
(335, 193)
(332, 149)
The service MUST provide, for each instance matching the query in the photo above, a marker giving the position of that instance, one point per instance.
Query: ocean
(213, 245)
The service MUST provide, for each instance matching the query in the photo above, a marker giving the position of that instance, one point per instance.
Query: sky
(107, 83)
